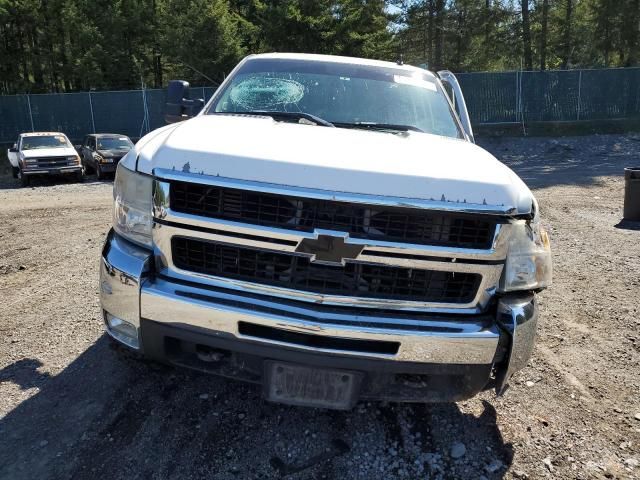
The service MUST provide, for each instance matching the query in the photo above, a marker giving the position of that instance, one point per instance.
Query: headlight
(98, 158)
(528, 265)
(132, 206)
(75, 158)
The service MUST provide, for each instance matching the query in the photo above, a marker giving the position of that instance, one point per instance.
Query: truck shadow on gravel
(107, 417)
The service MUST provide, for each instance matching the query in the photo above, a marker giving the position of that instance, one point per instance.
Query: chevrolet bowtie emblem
(329, 249)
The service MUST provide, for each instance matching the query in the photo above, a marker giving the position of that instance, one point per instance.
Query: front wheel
(79, 176)
(15, 171)
(88, 169)
(25, 180)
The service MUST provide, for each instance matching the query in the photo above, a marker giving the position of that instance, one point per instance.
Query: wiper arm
(283, 115)
(379, 126)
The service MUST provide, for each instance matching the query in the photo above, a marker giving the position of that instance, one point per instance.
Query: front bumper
(109, 167)
(52, 171)
(431, 358)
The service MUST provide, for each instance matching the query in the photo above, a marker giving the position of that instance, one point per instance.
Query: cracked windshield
(348, 96)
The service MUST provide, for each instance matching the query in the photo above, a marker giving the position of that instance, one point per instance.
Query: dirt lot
(71, 408)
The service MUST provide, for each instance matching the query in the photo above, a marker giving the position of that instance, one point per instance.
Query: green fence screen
(493, 98)
(551, 96)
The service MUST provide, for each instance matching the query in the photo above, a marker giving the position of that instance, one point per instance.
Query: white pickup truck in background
(327, 228)
(43, 153)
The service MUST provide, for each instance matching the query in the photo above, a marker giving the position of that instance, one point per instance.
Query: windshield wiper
(283, 116)
(379, 126)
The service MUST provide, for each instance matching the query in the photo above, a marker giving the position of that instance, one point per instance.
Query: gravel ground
(70, 407)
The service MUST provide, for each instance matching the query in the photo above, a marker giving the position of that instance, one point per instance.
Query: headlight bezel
(132, 206)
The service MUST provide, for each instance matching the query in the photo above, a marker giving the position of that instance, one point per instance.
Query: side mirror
(14, 149)
(179, 104)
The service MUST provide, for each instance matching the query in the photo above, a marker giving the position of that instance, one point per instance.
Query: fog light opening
(210, 354)
(122, 331)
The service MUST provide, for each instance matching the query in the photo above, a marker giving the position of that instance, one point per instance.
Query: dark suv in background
(101, 152)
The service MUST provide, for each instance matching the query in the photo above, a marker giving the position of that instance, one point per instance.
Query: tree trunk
(53, 65)
(607, 42)
(487, 23)
(424, 37)
(526, 36)
(23, 59)
(4, 86)
(430, 29)
(64, 57)
(157, 56)
(36, 60)
(459, 39)
(568, 19)
(439, 33)
(157, 70)
(543, 35)
(634, 37)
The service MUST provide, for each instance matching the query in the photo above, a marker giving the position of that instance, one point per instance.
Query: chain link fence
(493, 98)
(133, 112)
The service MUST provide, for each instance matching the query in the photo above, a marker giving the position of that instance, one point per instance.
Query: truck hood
(112, 153)
(49, 152)
(412, 165)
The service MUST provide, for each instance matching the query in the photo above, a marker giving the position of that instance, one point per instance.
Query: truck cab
(43, 153)
(326, 227)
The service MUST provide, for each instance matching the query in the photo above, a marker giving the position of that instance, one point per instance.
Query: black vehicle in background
(101, 152)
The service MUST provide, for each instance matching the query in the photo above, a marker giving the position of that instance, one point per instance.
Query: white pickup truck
(43, 153)
(326, 227)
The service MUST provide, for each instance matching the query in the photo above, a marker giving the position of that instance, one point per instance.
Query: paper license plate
(309, 386)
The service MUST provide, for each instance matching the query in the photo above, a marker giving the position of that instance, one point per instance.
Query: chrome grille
(249, 237)
(355, 279)
(51, 162)
(390, 224)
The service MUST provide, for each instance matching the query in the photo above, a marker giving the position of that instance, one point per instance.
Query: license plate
(308, 386)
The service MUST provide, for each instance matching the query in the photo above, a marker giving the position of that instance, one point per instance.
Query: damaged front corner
(517, 318)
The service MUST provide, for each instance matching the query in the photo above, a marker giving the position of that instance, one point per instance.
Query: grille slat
(360, 221)
(298, 272)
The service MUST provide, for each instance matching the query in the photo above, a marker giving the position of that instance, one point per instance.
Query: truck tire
(15, 171)
(88, 169)
(25, 180)
(79, 176)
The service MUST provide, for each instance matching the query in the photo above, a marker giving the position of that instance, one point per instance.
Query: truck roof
(107, 135)
(341, 59)
(40, 134)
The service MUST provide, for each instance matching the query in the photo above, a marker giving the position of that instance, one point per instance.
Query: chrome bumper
(128, 292)
(110, 166)
(51, 171)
